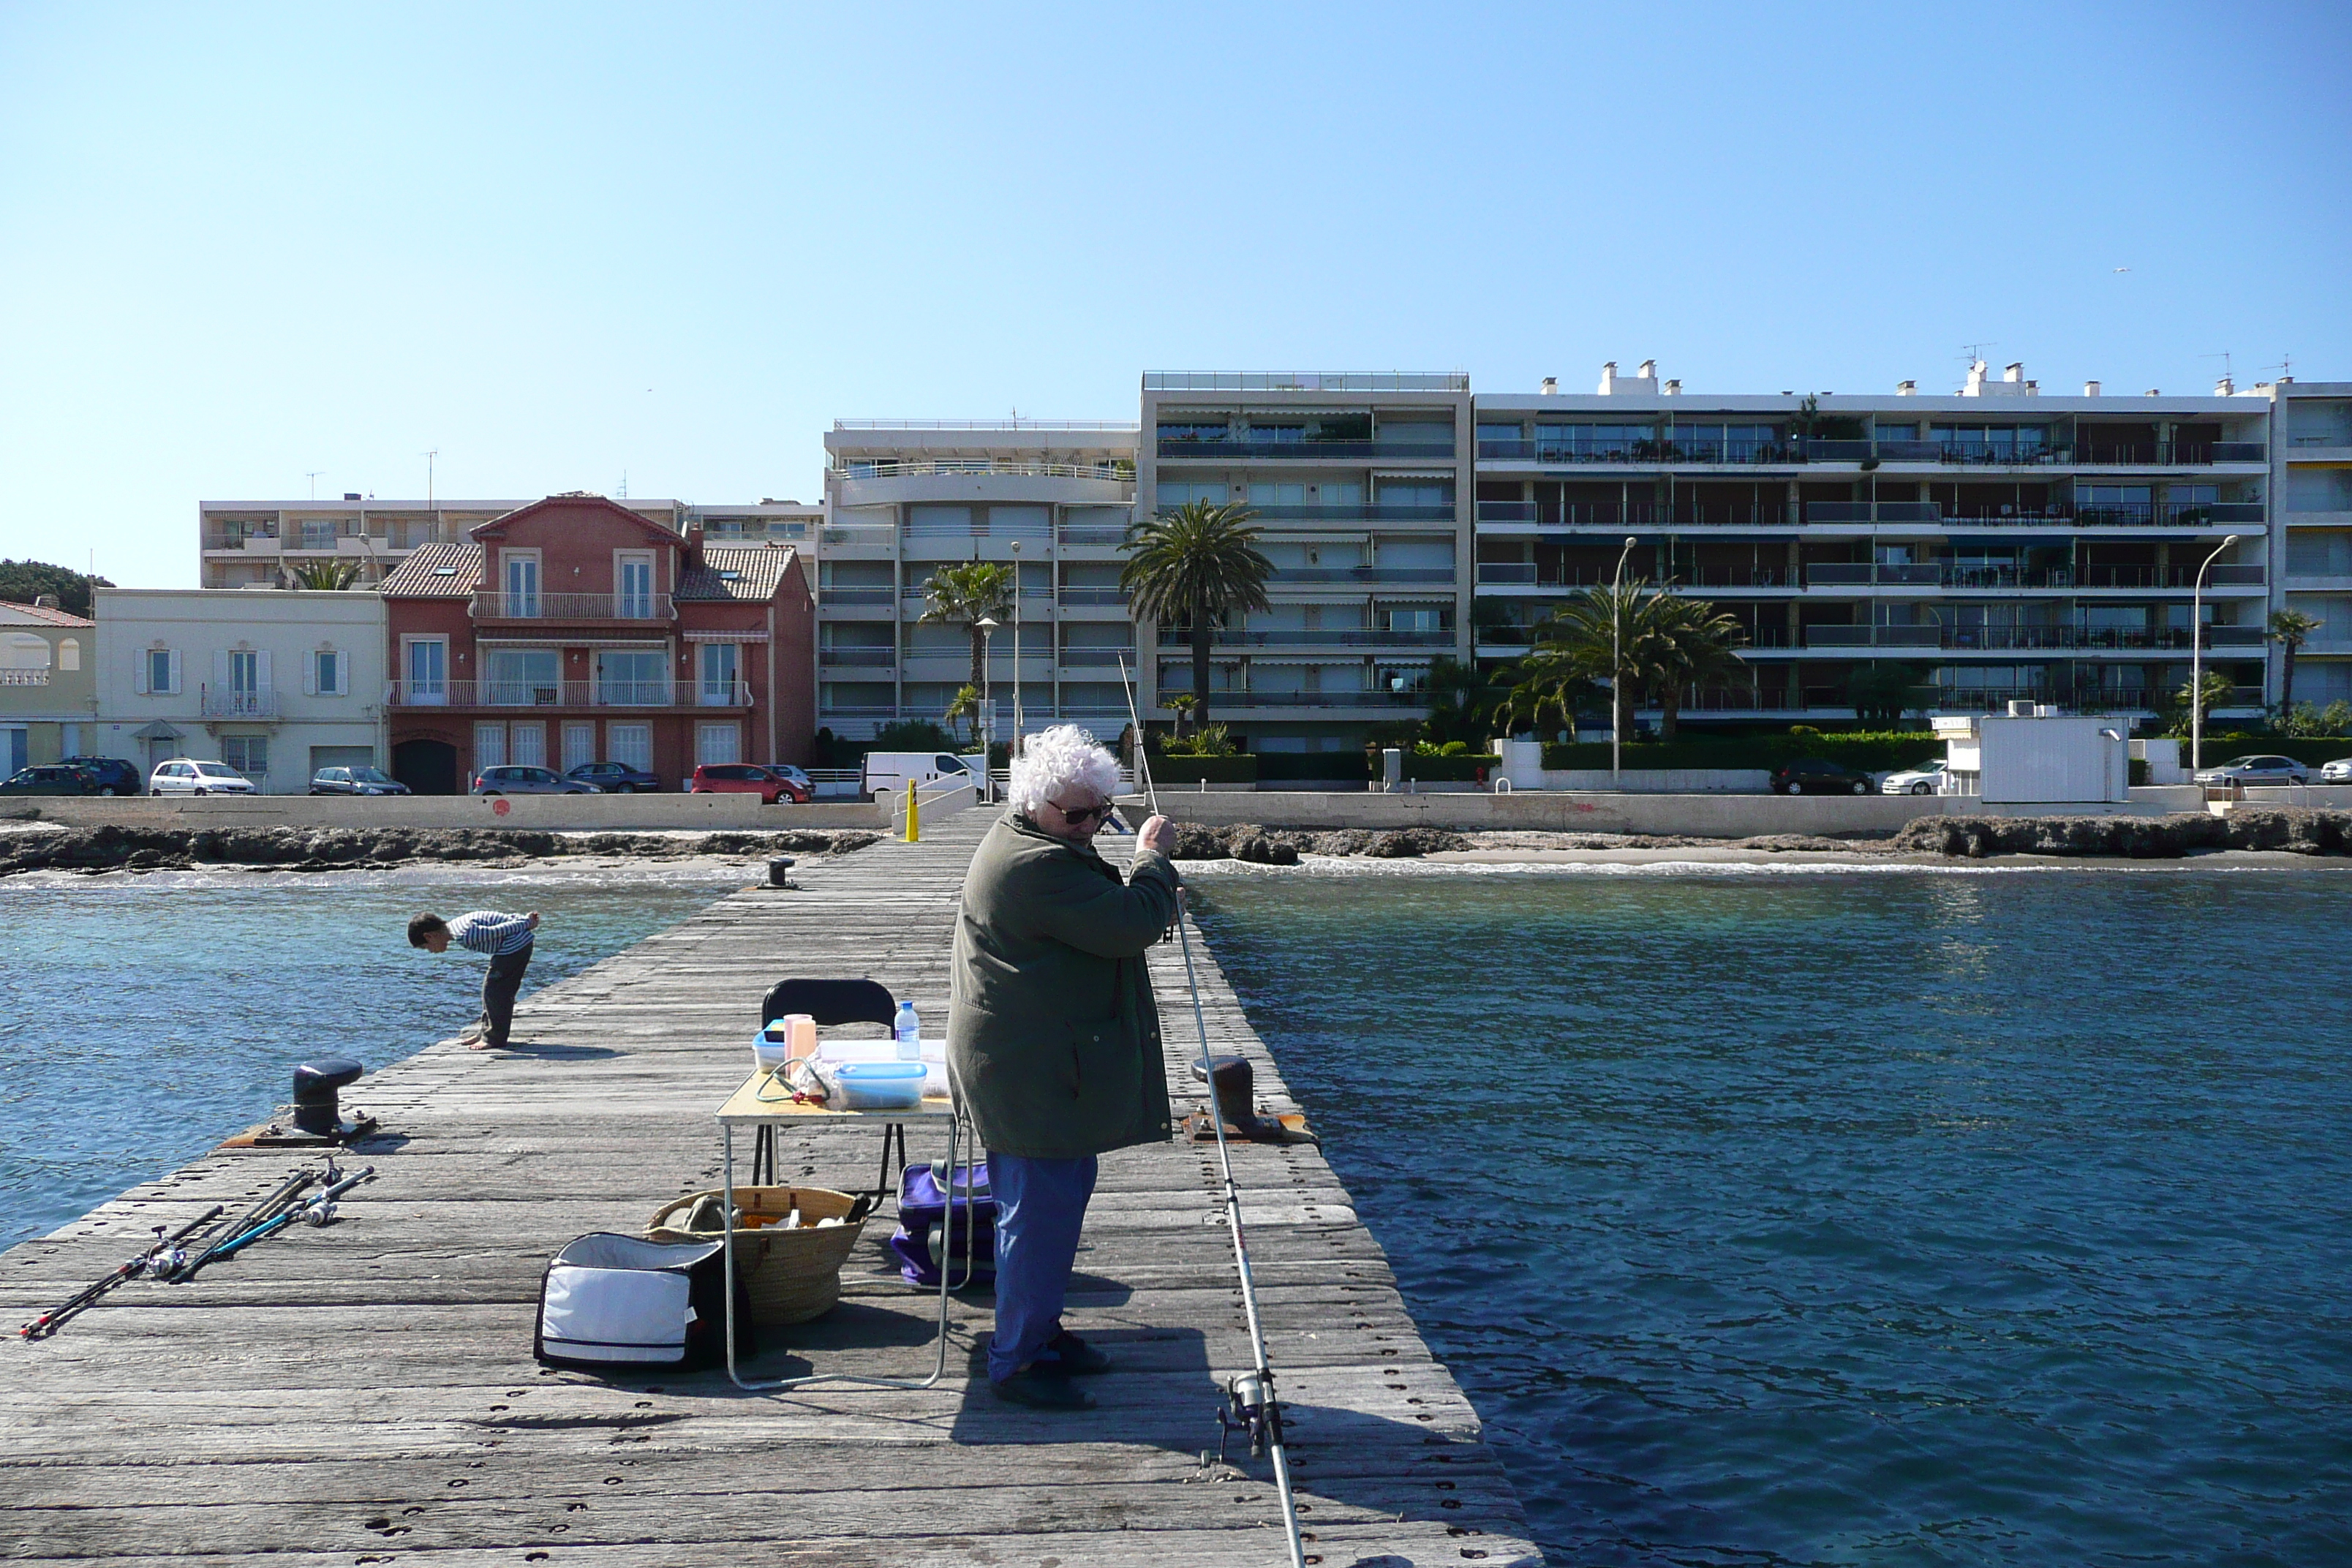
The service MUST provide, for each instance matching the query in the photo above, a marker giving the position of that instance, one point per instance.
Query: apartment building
(905, 498)
(2312, 475)
(1997, 542)
(49, 684)
(581, 629)
(275, 684)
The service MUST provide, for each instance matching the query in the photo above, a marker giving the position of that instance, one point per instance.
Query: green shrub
(1458, 767)
(1875, 751)
(1288, 767)
(1166, 770)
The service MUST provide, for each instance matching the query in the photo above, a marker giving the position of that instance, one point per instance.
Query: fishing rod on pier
(1251, 1407)
(164, 1254)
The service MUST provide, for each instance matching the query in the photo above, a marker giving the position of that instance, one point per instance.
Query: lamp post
(1016, 645)
(2197, 661)
(1617, 669)
(986, 626)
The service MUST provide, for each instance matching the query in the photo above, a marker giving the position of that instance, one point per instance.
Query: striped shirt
(496, 935)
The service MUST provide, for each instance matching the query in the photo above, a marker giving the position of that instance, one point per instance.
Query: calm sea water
(144, 1019)
(1857, 1217)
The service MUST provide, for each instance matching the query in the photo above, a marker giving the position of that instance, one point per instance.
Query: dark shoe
(1073, 1357)
(1040, 1391)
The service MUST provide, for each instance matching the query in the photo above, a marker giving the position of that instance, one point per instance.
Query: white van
(891, 770)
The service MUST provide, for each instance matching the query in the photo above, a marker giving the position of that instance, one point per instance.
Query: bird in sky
(2123, 269)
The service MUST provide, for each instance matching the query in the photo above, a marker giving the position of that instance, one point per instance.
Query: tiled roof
(38, 615)
(423, 575)
(758, 570)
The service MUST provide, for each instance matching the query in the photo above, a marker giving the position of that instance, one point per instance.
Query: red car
(747, 778)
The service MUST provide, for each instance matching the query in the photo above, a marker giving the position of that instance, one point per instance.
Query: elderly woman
(1053, 1037)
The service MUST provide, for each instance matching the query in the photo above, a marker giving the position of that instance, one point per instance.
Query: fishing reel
(162, 1260)
(1251, 1409)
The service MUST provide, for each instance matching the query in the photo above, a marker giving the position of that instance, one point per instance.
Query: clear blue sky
(559, 244)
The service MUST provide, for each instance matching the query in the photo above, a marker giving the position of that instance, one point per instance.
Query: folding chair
(830, 1001)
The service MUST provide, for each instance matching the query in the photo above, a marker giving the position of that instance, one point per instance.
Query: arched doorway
(428, 767)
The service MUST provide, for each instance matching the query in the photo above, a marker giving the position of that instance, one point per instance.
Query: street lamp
(1617, 668)
(2197, 661)
(986, 626)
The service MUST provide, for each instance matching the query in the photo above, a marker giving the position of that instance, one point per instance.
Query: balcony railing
(1297, 381)
(1094, 536)
(1092, 596)
(1342, 637)
(860, 533)
(903, 468)
(1640, 446)
(572, 608)
(875, 595)
(857, 656)
(562, 694)
(23, 678)
(1288, 575)
(1096, 655)
(217, 704)
(1368, 512)
(1308, 451)
(1246, 699)
(2030, 638)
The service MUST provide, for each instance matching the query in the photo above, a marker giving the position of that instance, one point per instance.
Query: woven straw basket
(790, 1276)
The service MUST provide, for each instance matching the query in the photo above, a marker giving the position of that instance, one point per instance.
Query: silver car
(2260, 769)
(184, 776)
(520, 779)
(2337, 771)
(1927, 778)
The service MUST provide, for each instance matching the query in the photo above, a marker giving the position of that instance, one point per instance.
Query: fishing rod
(166, 1248)
(284, 1194)
(317, 1209)
(1251, 1403)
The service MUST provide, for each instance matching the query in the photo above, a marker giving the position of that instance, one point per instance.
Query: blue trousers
(1040, 1207)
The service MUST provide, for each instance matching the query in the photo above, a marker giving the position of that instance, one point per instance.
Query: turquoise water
(144, 1019)
(1857, 1217)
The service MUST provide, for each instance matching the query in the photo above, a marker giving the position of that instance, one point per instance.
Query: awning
(634, 644)
(725, 637)
(158, 731)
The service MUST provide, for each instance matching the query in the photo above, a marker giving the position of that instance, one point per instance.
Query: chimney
(2152, 392)
(1609, 378)
(45, 601)
(2224, 388)
(1552, 387)
(2014, 372)
(1906, 389)
(2090, 389)
(350, 495)
(1674, 389)
(1975, 388)
(1649, 371)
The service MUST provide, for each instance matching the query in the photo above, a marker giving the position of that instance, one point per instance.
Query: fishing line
(1264, 1418)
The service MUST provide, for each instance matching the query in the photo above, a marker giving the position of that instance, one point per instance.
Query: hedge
(1462, 769)
(1873, 752)
(1335, 767)
(1204, 770)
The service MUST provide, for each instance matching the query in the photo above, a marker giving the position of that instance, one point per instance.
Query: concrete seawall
(556, 812)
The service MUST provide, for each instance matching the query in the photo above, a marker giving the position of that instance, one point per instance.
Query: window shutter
(261, 670)
(177, 679)
(312, 685)
(139, 664)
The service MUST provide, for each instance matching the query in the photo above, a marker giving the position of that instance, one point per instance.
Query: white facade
(2314, 483)
(277, 683)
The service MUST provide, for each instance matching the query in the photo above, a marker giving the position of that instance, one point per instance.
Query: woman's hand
(1158, 833)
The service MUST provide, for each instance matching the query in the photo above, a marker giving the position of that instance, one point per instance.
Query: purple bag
(924, 1208)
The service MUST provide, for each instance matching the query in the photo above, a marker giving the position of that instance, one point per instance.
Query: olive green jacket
(1052, 1038)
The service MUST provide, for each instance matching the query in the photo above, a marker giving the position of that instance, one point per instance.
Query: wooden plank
(365, 1392)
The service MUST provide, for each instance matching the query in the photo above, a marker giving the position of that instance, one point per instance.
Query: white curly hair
(1061, 761)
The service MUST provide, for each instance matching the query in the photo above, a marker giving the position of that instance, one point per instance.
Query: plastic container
(771, 1047)
(880, 1086)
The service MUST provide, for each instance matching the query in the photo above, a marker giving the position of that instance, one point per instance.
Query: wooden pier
(365, 1393)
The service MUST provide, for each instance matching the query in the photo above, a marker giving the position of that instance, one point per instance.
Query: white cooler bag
(610, 1300)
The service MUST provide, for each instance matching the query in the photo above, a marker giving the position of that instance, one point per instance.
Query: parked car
(614, 778)
(1927, 778)
(53, 778)
(183, 776)
(1819, 776)
(356, 781)
(114, 775)
(516, 778)
(2257, 770)
(770, 784)
(2337, 771)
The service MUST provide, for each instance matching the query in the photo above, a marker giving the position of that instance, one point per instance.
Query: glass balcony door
(524, 677)
(428, 672)
(636, 600)
(631, 678)
(522, 585)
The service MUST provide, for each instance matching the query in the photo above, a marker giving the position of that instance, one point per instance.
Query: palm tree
(1693, 643)
(1553, 679)
(1191, 565)
(965, 706)
(2290, 629)
(332, 575)
(1611, 632)
(1461, 701)
(966, 596)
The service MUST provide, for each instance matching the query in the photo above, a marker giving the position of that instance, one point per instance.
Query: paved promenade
(366, 1393)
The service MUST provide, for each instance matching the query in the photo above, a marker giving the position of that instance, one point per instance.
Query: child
(507, 940)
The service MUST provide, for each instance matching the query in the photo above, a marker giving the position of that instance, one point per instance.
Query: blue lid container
(881, 1085)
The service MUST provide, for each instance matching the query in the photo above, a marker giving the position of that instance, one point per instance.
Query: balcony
(1308, 451)
(878, 535)
(1366, 512)
(1092, 596)
(1112, 656)
(572, 607)
(1093, 535)
(924, 467)
(570, 694)
(215, 704)
(23, 678)
(2030, 638)
(1276, 637)
(1295, 381)
(1289, 576)
(882, 656)
(1249, 699)
(876, 594)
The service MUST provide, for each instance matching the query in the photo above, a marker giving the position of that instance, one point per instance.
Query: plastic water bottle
(907, 1030)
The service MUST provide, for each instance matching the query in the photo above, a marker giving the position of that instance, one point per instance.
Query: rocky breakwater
(111, 848)
(2133, 838)
(1283, 846)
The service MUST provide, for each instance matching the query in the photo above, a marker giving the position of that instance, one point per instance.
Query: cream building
(48, 693)
(275, 682)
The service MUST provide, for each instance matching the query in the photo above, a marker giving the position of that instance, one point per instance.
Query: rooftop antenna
(2224, 357)
(312, 475)
(624, 486)
(1975, 352)
(428, 477)
(2285, 366)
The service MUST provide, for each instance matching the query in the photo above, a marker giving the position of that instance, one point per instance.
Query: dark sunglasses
(1083, 814)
